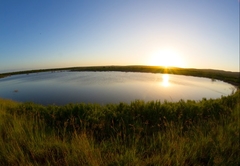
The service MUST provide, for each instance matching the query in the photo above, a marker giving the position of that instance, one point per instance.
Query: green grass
(139, 133)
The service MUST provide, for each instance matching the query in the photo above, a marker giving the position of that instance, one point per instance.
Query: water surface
(108, 87)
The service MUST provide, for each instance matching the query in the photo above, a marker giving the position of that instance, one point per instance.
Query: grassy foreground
(140, 133)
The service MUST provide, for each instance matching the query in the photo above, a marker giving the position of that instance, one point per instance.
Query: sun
(166, 58)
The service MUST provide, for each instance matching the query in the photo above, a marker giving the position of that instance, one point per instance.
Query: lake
(64, 87)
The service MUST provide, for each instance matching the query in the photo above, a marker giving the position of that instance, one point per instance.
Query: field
(140, 133)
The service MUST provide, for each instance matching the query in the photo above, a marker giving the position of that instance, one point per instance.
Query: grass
(139, 133)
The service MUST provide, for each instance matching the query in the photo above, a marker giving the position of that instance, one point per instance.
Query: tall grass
(140, 133)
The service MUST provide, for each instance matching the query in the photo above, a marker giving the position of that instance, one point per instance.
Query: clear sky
(36, 34)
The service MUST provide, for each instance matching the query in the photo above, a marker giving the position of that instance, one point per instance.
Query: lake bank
(139, 133)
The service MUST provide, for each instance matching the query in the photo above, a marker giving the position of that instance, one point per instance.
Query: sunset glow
(58, 34)
(166, 58)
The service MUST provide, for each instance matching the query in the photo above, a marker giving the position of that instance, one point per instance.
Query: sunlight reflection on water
(165, 81)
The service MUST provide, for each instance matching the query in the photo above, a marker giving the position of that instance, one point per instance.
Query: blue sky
(36, 34)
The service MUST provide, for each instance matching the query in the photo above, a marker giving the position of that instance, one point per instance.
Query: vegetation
(227, 76)
(140, 133)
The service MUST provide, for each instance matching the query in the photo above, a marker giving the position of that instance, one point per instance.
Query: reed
(140, 133)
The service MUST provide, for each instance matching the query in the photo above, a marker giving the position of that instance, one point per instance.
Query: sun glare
(166, 58)
(165, 80)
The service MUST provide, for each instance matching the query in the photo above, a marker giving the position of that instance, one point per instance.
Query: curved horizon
(68, 67)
